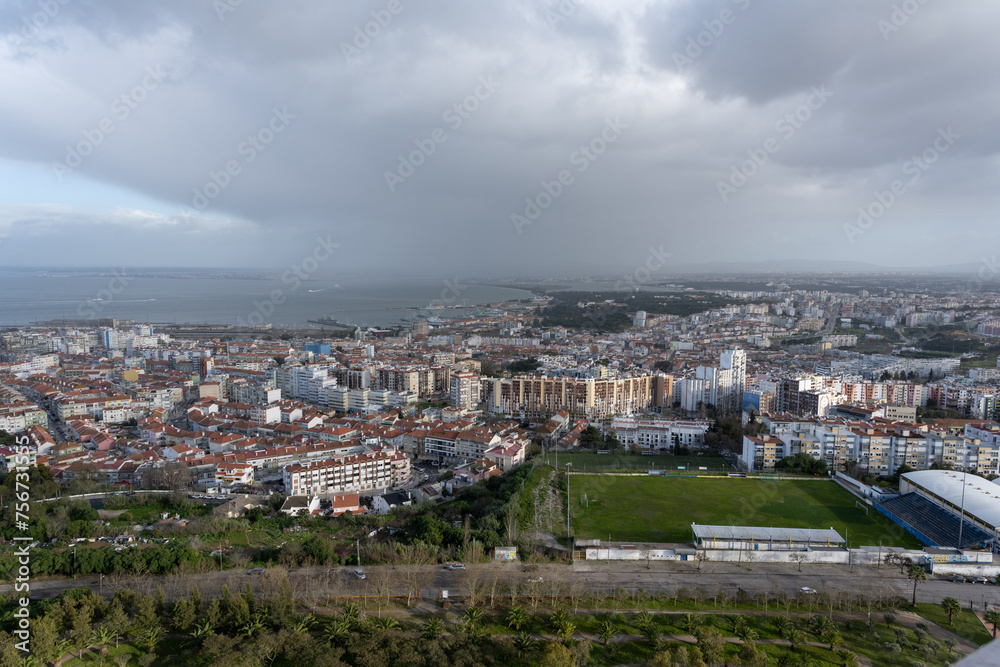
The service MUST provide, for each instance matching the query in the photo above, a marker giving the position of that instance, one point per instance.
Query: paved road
(593, 576)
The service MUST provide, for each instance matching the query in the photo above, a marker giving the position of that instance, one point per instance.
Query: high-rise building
(464, 390)
(720, 386)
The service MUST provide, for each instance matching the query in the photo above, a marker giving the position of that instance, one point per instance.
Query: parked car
(457, 566)
(805, 590)
(981, 580)
(256, 570)
(957, 579)
(360, 574)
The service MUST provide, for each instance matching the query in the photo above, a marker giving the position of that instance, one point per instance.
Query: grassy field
(661, 509)
(965, 623)
(594, 461)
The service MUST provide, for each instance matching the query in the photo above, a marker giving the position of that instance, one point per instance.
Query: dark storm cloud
(358, 110)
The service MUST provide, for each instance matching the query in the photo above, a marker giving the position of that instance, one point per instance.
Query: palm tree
(795, 638)
(737, 622)
(821, 625)
(433, 628)
(848, 658)
(606, 631)
(747, 634)
(784, 626)
(516, 618)
(472, 617)
(993, 616)
(102, 638)
(151, 637)
(63, 647)
(253, 628)
(202, 632)
(524, 644)
(565, 631)
(918, 574)
(643, 620)
(302, 626)
(651, 633)
(338, 630)
(351, 613)
(558, 618)
(950, 605)
(386, 623)
(690, 622)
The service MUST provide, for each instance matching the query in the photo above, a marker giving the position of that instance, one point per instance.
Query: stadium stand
(932, 523)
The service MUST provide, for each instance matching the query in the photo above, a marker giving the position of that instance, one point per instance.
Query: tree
(102, 638)
(202, 631)
(950, 605)
(516, 618)
(303, 624)
(338, 630)
(557, 655)
(711, 643)
(524, 644)
(472, 618)
(184, 614)
(751, 656)
(917, 574)
(799, 558)
(433, 629)
(802, 462)
(747, 634)
(151, 637)
(606, 631)
(821, 625)
(565, 630)
(386, 623)
(351, 614)
(993, 617)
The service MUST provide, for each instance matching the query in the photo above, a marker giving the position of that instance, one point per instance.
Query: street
(561, 580)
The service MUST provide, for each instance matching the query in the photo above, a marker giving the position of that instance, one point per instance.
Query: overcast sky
(713, 129)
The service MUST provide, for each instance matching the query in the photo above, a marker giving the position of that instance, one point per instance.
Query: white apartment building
(465, 390)
(721, 386)
(362, 473)
(652, 435)
(306, 383)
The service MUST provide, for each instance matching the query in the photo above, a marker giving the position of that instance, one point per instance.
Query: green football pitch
(662, 509)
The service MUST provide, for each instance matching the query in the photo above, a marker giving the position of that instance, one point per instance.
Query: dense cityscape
(403, 446)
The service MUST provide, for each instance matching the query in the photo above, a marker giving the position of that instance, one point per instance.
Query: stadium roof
(761, 534)
(982, 497)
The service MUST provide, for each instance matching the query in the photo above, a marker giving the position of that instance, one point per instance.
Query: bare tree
(495, 576)
(576, 591)
(512, 518)
(414, 574)
(798, 557)
(472, 583)
(382, 579)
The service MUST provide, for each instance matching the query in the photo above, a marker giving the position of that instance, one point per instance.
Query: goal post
(861, 505)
